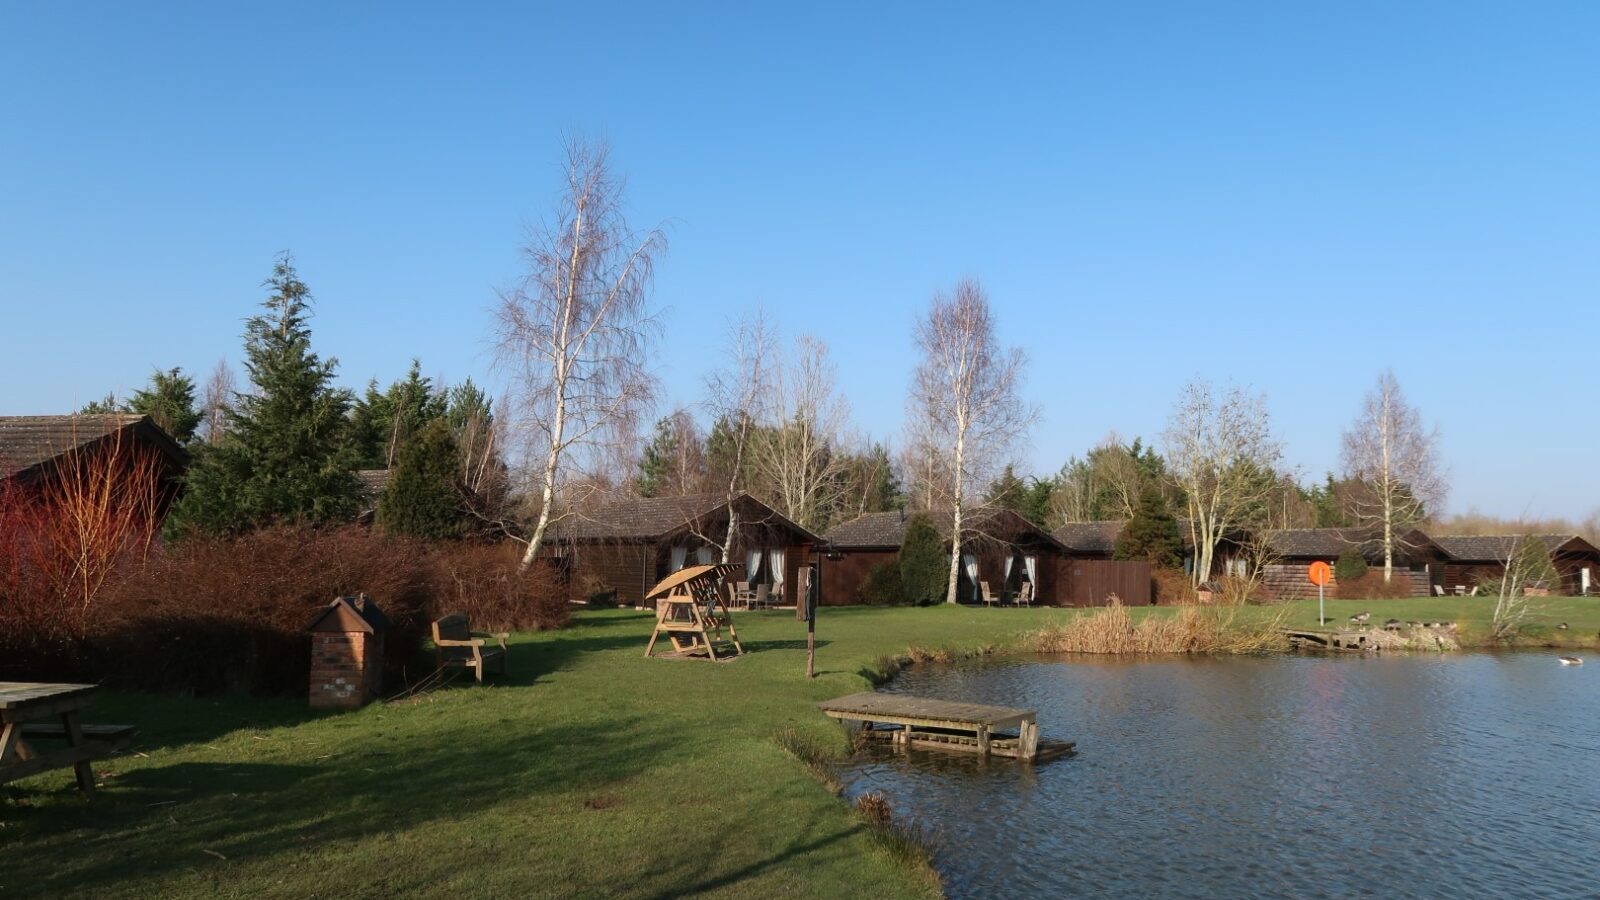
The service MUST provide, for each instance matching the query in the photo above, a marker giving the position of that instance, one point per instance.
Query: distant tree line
(582, 408)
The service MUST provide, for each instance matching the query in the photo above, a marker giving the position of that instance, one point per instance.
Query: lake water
(1464, 775)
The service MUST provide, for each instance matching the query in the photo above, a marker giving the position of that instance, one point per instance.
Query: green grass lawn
(588, 771)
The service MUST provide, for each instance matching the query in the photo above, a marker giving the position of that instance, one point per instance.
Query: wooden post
(69, 720)
(1028, 739)
(983, 739)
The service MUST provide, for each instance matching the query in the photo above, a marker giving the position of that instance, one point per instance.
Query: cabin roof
(887, 530)
(28, 443)
(1499, 547)
(656, 518)
(1090, 537)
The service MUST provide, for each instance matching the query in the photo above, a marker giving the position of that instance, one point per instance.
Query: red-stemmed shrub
(225, 615)
(482, 582)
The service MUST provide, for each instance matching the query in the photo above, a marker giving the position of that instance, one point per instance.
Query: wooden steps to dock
(923, 723)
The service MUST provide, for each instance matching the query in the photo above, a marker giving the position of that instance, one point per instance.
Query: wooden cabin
(630, 545)
(1418, 560)
(1477, 559)
(1000, 546)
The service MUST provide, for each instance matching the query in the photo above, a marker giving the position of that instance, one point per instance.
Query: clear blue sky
(1289, 195)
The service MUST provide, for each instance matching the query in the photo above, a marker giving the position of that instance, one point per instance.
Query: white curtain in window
(680, 555)
(703, 556)
(776, 558)
(1010, 560)
(752, 564)
(971, 563)
(1031, 563)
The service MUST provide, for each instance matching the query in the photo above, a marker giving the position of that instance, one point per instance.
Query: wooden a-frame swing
(692, 612)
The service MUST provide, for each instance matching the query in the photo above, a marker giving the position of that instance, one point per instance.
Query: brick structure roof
(29, 442)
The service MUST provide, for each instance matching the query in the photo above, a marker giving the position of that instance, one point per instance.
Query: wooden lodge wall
(1287, 581)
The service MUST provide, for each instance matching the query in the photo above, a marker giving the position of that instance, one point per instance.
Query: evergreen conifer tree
(287, 456)
(655, 463)
(1351, 566)
(1152, 533)
(924, 562)
(169, 402)
(423, 499)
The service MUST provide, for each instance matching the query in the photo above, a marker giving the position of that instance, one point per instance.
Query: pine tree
(382, 424)
(923, 562)
(371, 417)
(1008, 491)
(423, 498)
(169, 402)
(103, 407)
(655, 463)
(1152, 533)
(287, 457)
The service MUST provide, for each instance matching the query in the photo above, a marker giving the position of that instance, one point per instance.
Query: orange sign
(1320, 573)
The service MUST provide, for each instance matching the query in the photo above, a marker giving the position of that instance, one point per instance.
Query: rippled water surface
(1469, 775)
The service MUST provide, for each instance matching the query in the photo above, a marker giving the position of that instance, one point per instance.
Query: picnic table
(25, 711)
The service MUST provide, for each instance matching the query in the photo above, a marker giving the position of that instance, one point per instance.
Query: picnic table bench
(22, 707)
(456, 644)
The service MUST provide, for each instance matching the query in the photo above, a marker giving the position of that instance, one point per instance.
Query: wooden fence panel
(1093, 581)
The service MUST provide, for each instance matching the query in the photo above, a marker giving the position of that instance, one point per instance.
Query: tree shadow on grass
(702, 872)
(759, 646)
(162, 820)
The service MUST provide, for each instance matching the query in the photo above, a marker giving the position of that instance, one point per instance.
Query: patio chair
(1438, 590)
(1025, 596)
(988, 595)
(762, 597)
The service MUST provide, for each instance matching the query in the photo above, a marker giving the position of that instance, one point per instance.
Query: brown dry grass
(1192, 629)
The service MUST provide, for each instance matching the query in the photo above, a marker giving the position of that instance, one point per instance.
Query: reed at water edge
(1192, 629)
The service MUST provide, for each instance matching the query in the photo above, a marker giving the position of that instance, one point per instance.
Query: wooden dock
(926, 724)
(1358, 640)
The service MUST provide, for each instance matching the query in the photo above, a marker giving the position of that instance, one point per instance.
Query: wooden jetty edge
(928, 724)
(1330, 639)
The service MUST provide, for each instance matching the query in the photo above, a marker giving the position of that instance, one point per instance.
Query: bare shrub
(215, 614)
(483, 582)
(1172, 587)
(1372, 586)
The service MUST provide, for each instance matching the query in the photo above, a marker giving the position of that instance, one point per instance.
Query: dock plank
(878, 707)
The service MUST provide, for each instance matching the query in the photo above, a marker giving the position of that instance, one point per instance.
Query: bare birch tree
(1221, 455)
(738, 396)
(576, 332)
(964, 401)
(217, 401)
(799, 458)
(1391, 453)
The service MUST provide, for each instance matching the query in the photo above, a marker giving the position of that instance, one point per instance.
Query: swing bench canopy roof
(683, 577)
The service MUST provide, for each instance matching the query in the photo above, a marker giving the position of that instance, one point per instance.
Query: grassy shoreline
(589, 771)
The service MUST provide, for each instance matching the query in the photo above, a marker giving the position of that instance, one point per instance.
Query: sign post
(1320, 573)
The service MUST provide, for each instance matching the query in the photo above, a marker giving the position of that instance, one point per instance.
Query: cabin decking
(927, 724)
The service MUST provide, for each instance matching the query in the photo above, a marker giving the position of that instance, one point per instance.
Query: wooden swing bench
(691, 612)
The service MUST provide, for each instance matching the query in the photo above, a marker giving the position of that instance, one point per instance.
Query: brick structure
(347, 653)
